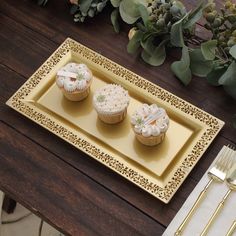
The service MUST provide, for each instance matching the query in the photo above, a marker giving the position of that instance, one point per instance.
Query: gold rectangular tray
(159, 170)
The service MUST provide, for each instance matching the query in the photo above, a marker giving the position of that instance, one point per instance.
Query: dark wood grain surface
(71, 191)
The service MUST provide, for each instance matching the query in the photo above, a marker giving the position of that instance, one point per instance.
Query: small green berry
(210, 17)
(227, 33)
(91, 12)
(174, 10)
(232, 7)
(234, 33)
(231, 42)
(221, 39)
(160, 23)
(209, 7)
(233, 10)
(228, 4)
(166, 6)
(217, 22)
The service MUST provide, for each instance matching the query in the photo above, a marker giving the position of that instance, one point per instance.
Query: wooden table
(59, 183)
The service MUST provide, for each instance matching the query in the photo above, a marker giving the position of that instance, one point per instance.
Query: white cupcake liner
(151, 140)
(76, 95)
(114, 118)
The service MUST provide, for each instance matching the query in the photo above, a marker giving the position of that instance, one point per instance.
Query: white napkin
(201, 216)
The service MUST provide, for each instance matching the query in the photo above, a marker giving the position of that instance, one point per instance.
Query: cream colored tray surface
(159, 170)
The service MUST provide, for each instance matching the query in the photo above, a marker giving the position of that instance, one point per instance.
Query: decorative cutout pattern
(165, 193)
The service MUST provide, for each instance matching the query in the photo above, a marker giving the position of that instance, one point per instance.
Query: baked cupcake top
(150, 120)
(74, 77)
(111, 99)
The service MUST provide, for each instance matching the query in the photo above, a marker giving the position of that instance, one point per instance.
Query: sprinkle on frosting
(150, 120)
(83, 77)
(101, 98)
(111, 99)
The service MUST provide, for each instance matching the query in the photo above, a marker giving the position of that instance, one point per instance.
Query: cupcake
(74, 80)
(111, 102)
(150, 124)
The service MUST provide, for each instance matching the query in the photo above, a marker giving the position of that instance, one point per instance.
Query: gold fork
(216, 173)
(231, 182)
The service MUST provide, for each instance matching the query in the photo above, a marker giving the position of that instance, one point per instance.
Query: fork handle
(186, 219)
(231, 229)
(217, 210)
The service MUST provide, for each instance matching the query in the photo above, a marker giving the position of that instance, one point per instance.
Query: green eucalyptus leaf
(232, 51)
(129, 10)
(134, 43)
(208, 49)
(115, 3)
(76, 19)
(144, 13)
(126, 17)
(77, 15)
(214, 75)
(140, 26)
(157, 57)
(198, 64)
(147, 44)
(91, 12)
(149, 34)
(84, 14)
(228, 80)
(194, 15)
(181, 6)
(115, 20)
(85, 5)
(178, 9)
(176, 33)
(152, 27)
(181, 68)
(82, 19)
(101, 5)
(177, 38)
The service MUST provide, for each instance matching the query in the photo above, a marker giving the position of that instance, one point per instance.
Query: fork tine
(221, 160)
(221, 155)
(233, 156)
(229, 158)
(226, 158)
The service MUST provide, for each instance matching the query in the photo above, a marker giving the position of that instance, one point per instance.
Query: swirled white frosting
(150, 120)
(81, 82)
(111, 99)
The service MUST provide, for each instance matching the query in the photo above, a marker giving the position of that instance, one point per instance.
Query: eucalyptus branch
(165, 24)
(224, 53)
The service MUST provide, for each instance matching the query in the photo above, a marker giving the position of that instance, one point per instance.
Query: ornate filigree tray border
(210, 125)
